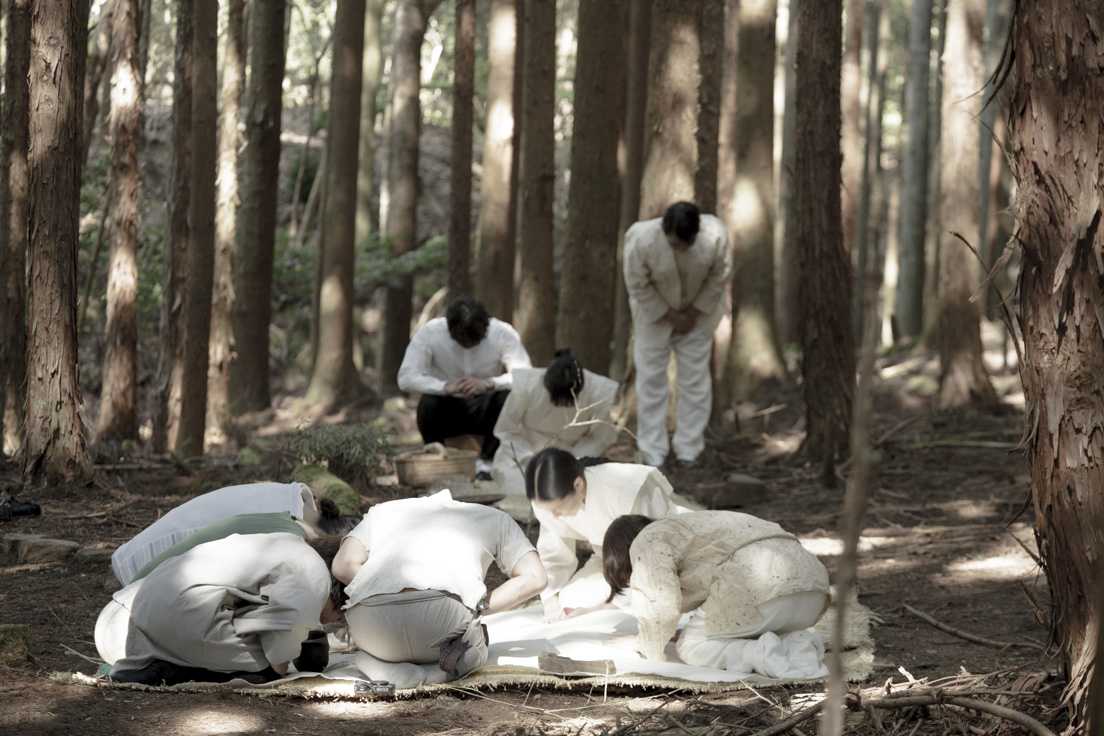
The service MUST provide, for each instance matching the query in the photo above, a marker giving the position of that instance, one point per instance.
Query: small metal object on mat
(374, 687)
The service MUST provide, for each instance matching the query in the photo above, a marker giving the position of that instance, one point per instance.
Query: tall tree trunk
(536, 295)
(588, 276)
(335, 377)
(118, 418)
(912, 222)
(170, 366)
(786, 256)
(371, 70)
(825, 297)
(1056, 135)
(411, 18)
(754, 354)
(851, 117)
(460, 195)
(495, 228)
(711, 22)
(870, 146)
(672, 118)
(222, 329)
(201, 230)
(963, 379)
(13, 228)
(933, 244)
(990, 166)
(252, 313)
(98, 58)
(54, 449)
(632, 156)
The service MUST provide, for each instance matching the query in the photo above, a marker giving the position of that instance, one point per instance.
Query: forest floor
(947, 534)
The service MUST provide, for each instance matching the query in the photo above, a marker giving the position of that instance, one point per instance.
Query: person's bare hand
(681, 322)
(466, 386)
(553, 611)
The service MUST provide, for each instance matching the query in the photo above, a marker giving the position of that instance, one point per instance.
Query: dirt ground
(947, 533)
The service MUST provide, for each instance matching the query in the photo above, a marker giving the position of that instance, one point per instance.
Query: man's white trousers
(693, 353)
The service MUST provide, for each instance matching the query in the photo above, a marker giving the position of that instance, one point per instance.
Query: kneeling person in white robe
(754, 590)
(241, 606)
(414, 572)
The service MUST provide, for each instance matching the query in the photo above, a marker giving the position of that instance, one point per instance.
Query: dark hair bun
(563, 352)
(328, 508)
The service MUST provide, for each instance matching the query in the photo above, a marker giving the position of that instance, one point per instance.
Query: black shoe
(10, 507)
(483, 475)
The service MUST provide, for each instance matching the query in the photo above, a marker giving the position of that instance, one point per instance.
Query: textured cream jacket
(530, 422)
(613, 489)
(708, 559)
(652, 278)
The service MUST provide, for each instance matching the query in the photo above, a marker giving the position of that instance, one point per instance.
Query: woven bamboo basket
(419, 468)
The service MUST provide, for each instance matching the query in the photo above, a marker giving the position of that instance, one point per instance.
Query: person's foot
(483, 475)
(10, 507)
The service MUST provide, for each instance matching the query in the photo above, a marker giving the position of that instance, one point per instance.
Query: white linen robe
(241, 603)
(613, 490)
(530, 422)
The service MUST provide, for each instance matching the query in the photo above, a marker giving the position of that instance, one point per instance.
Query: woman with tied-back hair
(563, 406)
(755, 592)
(576, 500)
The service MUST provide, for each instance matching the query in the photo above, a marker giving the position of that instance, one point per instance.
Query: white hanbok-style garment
(242, 603)
(188, 518)
(530, 422)
(754, 590)
(612, 490)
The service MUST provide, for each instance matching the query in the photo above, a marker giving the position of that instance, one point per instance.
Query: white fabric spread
(613, 490)
(434, 543)
(190, 517)
(530, 422)
(434, 359)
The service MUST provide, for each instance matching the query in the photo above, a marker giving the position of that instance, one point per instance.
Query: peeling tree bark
(54, 449)
(1056, 136)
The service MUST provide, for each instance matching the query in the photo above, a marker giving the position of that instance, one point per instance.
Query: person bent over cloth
(238, 607)
(754, 590)
(414, 572)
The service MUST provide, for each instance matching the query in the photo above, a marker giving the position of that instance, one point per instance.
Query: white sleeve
(509, 428)
(512, 354)
(414, 372)
(654, 497)
(556, 548)
(638, 275)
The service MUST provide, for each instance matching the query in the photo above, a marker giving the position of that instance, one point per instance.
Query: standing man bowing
(675, 273)
(461, 365)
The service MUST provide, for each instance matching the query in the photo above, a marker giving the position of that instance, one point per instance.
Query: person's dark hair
(682, 219)
(551, 473)
(327, 545)
(467, 321)
(564, 378)
(616, 562)
(332, 521)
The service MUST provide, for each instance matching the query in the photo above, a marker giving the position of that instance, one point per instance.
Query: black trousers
(440, 417)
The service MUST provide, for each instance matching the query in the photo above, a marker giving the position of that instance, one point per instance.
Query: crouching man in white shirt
(414, 573)
(461, 365)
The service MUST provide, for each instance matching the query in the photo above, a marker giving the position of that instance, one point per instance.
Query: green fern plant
(354, 452)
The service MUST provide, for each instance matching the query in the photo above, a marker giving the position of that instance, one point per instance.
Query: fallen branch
(970, 637)
(938, 698)
(789, 723)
